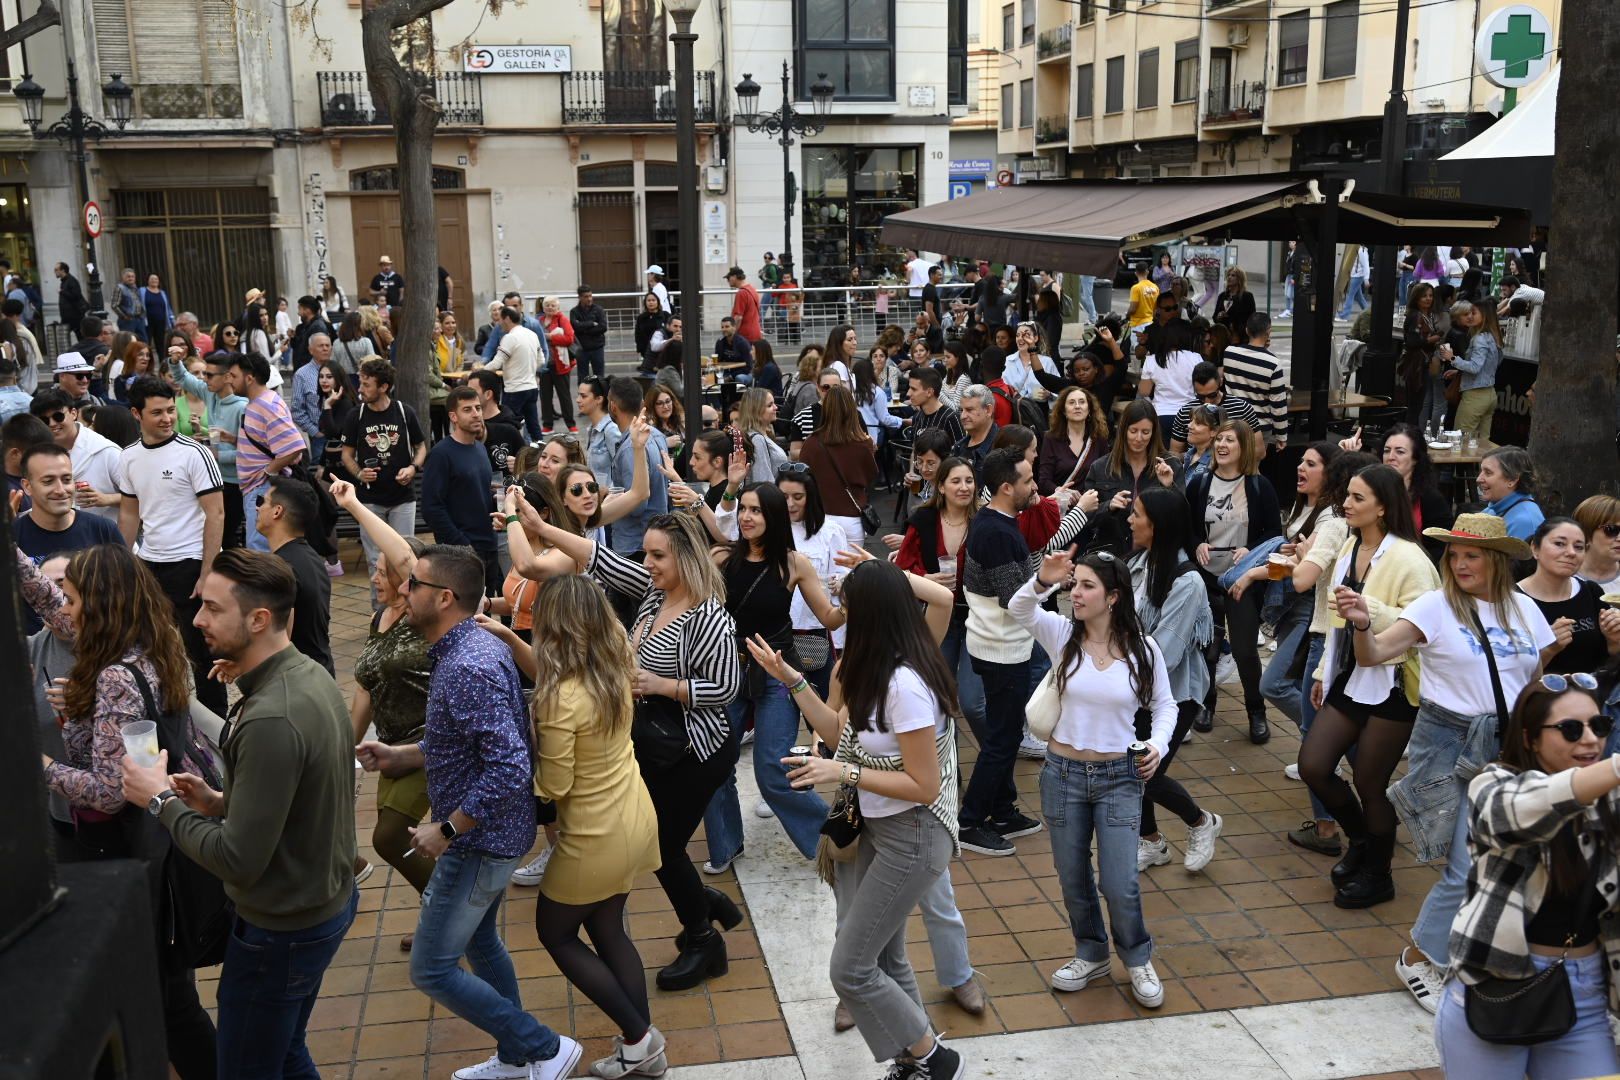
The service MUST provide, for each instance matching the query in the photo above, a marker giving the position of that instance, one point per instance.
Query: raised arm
(392, 545)
(634, 497)
(44, 597)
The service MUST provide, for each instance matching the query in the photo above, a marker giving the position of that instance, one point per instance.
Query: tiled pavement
(1257, 928)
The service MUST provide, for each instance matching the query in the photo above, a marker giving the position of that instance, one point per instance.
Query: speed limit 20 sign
(92, 220)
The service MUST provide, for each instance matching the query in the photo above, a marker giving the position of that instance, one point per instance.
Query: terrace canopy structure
(1085, 226)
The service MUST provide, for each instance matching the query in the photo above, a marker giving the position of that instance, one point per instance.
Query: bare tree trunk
(409, 98)
(1572, 424)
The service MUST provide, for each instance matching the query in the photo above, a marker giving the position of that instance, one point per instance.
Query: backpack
(327, 505)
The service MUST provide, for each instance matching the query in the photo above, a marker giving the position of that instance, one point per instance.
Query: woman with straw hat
(1480, 642)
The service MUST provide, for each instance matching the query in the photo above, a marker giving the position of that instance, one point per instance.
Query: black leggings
(1378, 747)
(680, 794)
(1162, 789)
(1237, 621)
(612, 976)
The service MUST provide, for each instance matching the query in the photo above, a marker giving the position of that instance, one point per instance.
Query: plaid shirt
(1515, 818)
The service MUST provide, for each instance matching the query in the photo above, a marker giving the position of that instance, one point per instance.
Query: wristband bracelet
(511, 519)
(800, 686)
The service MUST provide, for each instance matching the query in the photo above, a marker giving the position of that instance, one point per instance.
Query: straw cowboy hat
(252, 295)
(1484, 531)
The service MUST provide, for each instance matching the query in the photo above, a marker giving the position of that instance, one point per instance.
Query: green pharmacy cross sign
(1511, 49)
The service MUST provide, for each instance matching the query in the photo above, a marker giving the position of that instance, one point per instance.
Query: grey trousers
(900, 859)
(402, 519)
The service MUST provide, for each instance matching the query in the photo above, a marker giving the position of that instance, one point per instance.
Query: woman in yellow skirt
(608, 832)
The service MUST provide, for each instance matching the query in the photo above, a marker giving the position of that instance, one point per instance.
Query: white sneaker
(493, 1069)
(531, 872)
(1421, 979)
(1145, 986)
(712, 867)
(1291, 770)
(1226, 669)
(1200, 843)
(747, 737)
(1077, 973)
(1031, 747)
(558, 1067)
(1151, 853)
(619, 1064)
(763, 809)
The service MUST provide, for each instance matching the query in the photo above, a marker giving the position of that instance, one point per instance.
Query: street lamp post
(74, 129)
(785, 123)
(691, 251)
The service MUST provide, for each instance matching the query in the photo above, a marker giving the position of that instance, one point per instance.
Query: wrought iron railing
(1054, 42)
(1052, 129)
(630, 97)
(346, 99)
(1237, 103)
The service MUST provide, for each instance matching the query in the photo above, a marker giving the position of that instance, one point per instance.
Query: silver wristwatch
(154, 805)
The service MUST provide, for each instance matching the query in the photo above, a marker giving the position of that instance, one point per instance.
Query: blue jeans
(267, 989)
(1307, 713)
(776, 729)
(134, 326)
(1079, 800)
(1088, 303)
(250, 514)
(969, 689)
(1354, 296)
(526, 404)
(1288, 295)
(990, 794)
(592, 358)
(1280, 691)
(1432, 931)
(1432, 413)
(1586, 1050)
(460, 910)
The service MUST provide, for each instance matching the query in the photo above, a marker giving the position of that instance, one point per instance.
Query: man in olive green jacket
(281, 834)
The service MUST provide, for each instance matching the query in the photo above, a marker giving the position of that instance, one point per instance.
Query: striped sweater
(1253, 374)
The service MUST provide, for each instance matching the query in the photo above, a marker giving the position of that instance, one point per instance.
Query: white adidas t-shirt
(1454, 672)
(908, 706)
(168, 479)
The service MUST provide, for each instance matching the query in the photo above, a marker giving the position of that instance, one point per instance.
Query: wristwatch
(447, 830)
(854, 776)
(154, 805)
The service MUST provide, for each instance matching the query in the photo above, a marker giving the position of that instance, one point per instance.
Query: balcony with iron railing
(1235, 105)
(631, 97)
(1229, 7)
(1054, 43)
(1052, 129)
(346, 99)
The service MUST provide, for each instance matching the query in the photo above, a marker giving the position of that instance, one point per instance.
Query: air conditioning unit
(1237, 37)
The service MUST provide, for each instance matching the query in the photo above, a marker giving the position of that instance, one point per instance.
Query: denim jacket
(1446, 751)
(1479, 365)
(1182, 628)
(1275, 597)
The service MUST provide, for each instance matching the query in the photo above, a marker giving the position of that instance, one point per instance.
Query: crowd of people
(607, 615)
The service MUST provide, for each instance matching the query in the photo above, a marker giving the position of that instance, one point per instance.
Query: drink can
(799, 751)
(1139, 751)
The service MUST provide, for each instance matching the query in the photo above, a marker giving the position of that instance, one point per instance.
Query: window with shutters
(1007, 107)
(1028, 33)
(1147, 79)
(1009, 36)
(1339, 38)
(1293, 48)
(1085, 80)
(1114, 91)
(1186, 88)
(180, 55)
(1026, 103)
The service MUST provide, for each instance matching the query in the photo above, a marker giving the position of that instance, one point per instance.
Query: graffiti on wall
(315, 225)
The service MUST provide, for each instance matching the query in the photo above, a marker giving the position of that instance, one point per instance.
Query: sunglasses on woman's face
(1573, 730)
(576, 490)
(1610, 529)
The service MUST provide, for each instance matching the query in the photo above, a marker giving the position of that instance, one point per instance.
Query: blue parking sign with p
(961, 189)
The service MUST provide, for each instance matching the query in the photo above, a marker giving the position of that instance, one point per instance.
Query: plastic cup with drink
(1278, 567)
(141, 742)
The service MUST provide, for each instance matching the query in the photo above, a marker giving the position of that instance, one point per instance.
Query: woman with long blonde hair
(756, 417)
(583, 668)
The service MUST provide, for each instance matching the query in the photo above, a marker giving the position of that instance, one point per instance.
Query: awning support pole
(1321, 350)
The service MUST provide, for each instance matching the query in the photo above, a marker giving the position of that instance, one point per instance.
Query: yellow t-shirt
(1144, 296)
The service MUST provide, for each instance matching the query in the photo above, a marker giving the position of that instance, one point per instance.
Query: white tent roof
(1527, 131)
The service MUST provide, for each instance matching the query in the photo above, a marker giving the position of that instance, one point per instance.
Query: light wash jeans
(969, 687)
(250, 515)
(1317, 645)
(776, 729)
(460, 910)
(1088, 303)
(899, 859)
(1586, 1050)
(1079, 800)
(1432, 931)
(947, 932)
(401, 518)
(1354, 296)
(1280, 691)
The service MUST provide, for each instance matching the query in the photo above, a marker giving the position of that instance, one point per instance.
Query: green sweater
(285, 848)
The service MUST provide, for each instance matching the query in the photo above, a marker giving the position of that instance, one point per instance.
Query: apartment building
(973, 127)
(1210, 87)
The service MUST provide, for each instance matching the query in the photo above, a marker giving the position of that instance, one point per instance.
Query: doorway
(1220, 83)
(664, 236)
(377, 232)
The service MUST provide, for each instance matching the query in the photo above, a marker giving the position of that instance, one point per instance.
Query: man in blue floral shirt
(480, 777)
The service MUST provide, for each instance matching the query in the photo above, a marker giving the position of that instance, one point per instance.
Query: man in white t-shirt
(517, 358)
(95, 458)
(917, 269)
(174, 501)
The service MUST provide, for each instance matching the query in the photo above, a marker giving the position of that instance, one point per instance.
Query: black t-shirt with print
(1588, 650)
(383, 440)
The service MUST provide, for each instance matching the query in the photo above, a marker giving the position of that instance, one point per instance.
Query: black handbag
(194, 914)
(870, 521)
(658, 724)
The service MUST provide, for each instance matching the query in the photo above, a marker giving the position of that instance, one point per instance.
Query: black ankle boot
(722, 909)
(1371, 883)
(1205, 720)
(1355, 853)
(1259, 727)
(703, 957)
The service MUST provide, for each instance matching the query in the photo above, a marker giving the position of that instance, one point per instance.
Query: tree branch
(47, 16)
